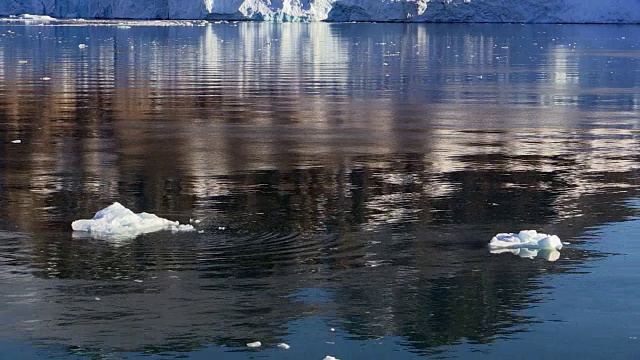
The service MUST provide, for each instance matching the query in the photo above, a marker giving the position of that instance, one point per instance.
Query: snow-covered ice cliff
(524, 11)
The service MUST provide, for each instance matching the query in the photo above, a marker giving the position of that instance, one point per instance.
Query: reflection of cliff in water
(377, 192)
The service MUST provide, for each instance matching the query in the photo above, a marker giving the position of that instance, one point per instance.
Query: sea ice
(35, 17)
(284, 346)
(118, 222)
(255, 344)
(525, 239)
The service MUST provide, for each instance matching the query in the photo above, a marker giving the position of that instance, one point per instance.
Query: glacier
(492, 11)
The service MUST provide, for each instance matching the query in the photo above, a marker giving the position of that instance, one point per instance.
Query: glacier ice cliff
(520, 11)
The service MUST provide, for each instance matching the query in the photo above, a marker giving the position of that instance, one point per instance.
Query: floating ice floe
(254, 344)
(284, 346)
(527, 244)
(35, 17)
(117, 222)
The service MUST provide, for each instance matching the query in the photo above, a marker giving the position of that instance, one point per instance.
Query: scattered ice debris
(332, 330)
(255, 344)
(527, 244)
(329, 357)
(82, 46)
(116, 222)
(16, 141)
(284, 346)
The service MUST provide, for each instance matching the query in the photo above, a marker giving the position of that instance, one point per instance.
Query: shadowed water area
(344, 181)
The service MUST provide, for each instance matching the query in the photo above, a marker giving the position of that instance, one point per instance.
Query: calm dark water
(344, 176)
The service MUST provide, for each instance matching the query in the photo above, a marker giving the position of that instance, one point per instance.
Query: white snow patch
(118, 222)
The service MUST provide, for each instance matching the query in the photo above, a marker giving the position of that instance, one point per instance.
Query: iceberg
(116, 222)
(527, 244)
(525, 239)
(483, 11)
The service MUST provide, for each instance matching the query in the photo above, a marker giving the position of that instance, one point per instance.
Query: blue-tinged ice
(117, 222)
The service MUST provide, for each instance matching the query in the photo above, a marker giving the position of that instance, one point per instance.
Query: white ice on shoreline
(118, 222)
(491, 11)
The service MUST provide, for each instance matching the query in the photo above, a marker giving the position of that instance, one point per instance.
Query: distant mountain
(518, 11)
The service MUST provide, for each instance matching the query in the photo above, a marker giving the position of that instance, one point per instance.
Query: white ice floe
(254, 344)
(525, 239)
(35, 17)
(527, 244)
(329, 357)
(284, 346)
(118, 222)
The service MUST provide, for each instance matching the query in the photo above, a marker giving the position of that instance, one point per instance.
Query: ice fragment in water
(329, 357)
(117, 222)
(529, 239)
(284, 346)
(254, 344)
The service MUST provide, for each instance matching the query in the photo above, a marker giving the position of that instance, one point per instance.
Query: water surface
(343, 176)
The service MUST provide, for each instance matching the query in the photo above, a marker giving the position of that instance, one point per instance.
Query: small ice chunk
(332, 329)
(117, 222)
(329, 357)
(254, 344)
(529, 239)
(16, 141)
(82, 46)
(45, 78)
(284, 346)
